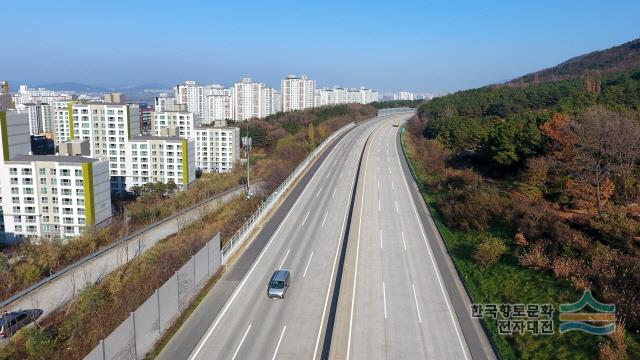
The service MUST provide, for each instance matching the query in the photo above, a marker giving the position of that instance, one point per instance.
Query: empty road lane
(393, 302)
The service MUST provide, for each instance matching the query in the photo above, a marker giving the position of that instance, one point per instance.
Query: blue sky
(387, 45)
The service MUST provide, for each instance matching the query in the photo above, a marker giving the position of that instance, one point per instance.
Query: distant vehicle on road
(278, 284)
(11, 322)
(396, 125)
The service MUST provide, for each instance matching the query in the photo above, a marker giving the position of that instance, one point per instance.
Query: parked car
(11, 322)
(278, 284)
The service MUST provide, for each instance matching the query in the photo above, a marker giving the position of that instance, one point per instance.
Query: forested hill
(552, 162)
(625, 57)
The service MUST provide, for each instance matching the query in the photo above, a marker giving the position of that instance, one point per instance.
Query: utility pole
(247, 142)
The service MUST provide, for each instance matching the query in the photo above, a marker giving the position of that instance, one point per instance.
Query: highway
(369, 279)
(393, 303)
(307, 243)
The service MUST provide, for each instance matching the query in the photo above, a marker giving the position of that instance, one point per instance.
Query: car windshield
(277, 284)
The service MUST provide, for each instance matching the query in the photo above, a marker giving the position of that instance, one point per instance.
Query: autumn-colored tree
(561, 141)
(588, 195)
(604, 143)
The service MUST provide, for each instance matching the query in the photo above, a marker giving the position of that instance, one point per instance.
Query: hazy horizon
(414, 46)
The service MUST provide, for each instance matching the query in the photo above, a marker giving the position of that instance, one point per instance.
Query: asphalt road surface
(393, 303)
(307, 242)
(390, 301)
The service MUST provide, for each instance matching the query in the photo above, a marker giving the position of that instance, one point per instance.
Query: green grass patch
(508, 282)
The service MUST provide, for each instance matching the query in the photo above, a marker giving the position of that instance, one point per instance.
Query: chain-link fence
(136, 336)
(138, 333)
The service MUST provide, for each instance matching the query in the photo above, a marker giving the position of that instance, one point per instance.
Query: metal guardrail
(406, 156)
(268, 204)
(111, 246)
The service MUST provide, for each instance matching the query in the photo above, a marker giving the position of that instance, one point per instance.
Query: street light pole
(248, 143)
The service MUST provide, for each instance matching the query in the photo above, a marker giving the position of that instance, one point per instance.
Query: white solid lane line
(307, 267)
(355, 270)
(333, 268)
(384, 299)
(325, 218)
(241, 341)
(279, 341)
(454, 318)
(415, 298)
(305, 219)
(284, 259)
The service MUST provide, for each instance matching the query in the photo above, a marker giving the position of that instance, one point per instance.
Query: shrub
(489, 251)
(568, 268)
(616, 228)
(535, 257)
(472, 208)
(39, 344)
(520, 239)
(616, 348)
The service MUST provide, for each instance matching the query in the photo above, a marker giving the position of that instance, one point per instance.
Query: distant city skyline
(412, 46)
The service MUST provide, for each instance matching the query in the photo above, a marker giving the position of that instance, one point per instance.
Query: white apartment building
(184, 121)
(270, 101)
(218, 103)
(403, 95)
(297, 93)
(27, 95)
(248, 100)
(108, 127)
(47, 196)
(217, 148)
(164, 103)
(192, 95)
(40, 117)
(61, 123)
(339, 95)
(160, 159)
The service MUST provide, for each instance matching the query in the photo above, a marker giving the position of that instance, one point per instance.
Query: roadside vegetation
(536, 191)
(25, 264)
(76, 328)
(397, 103)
